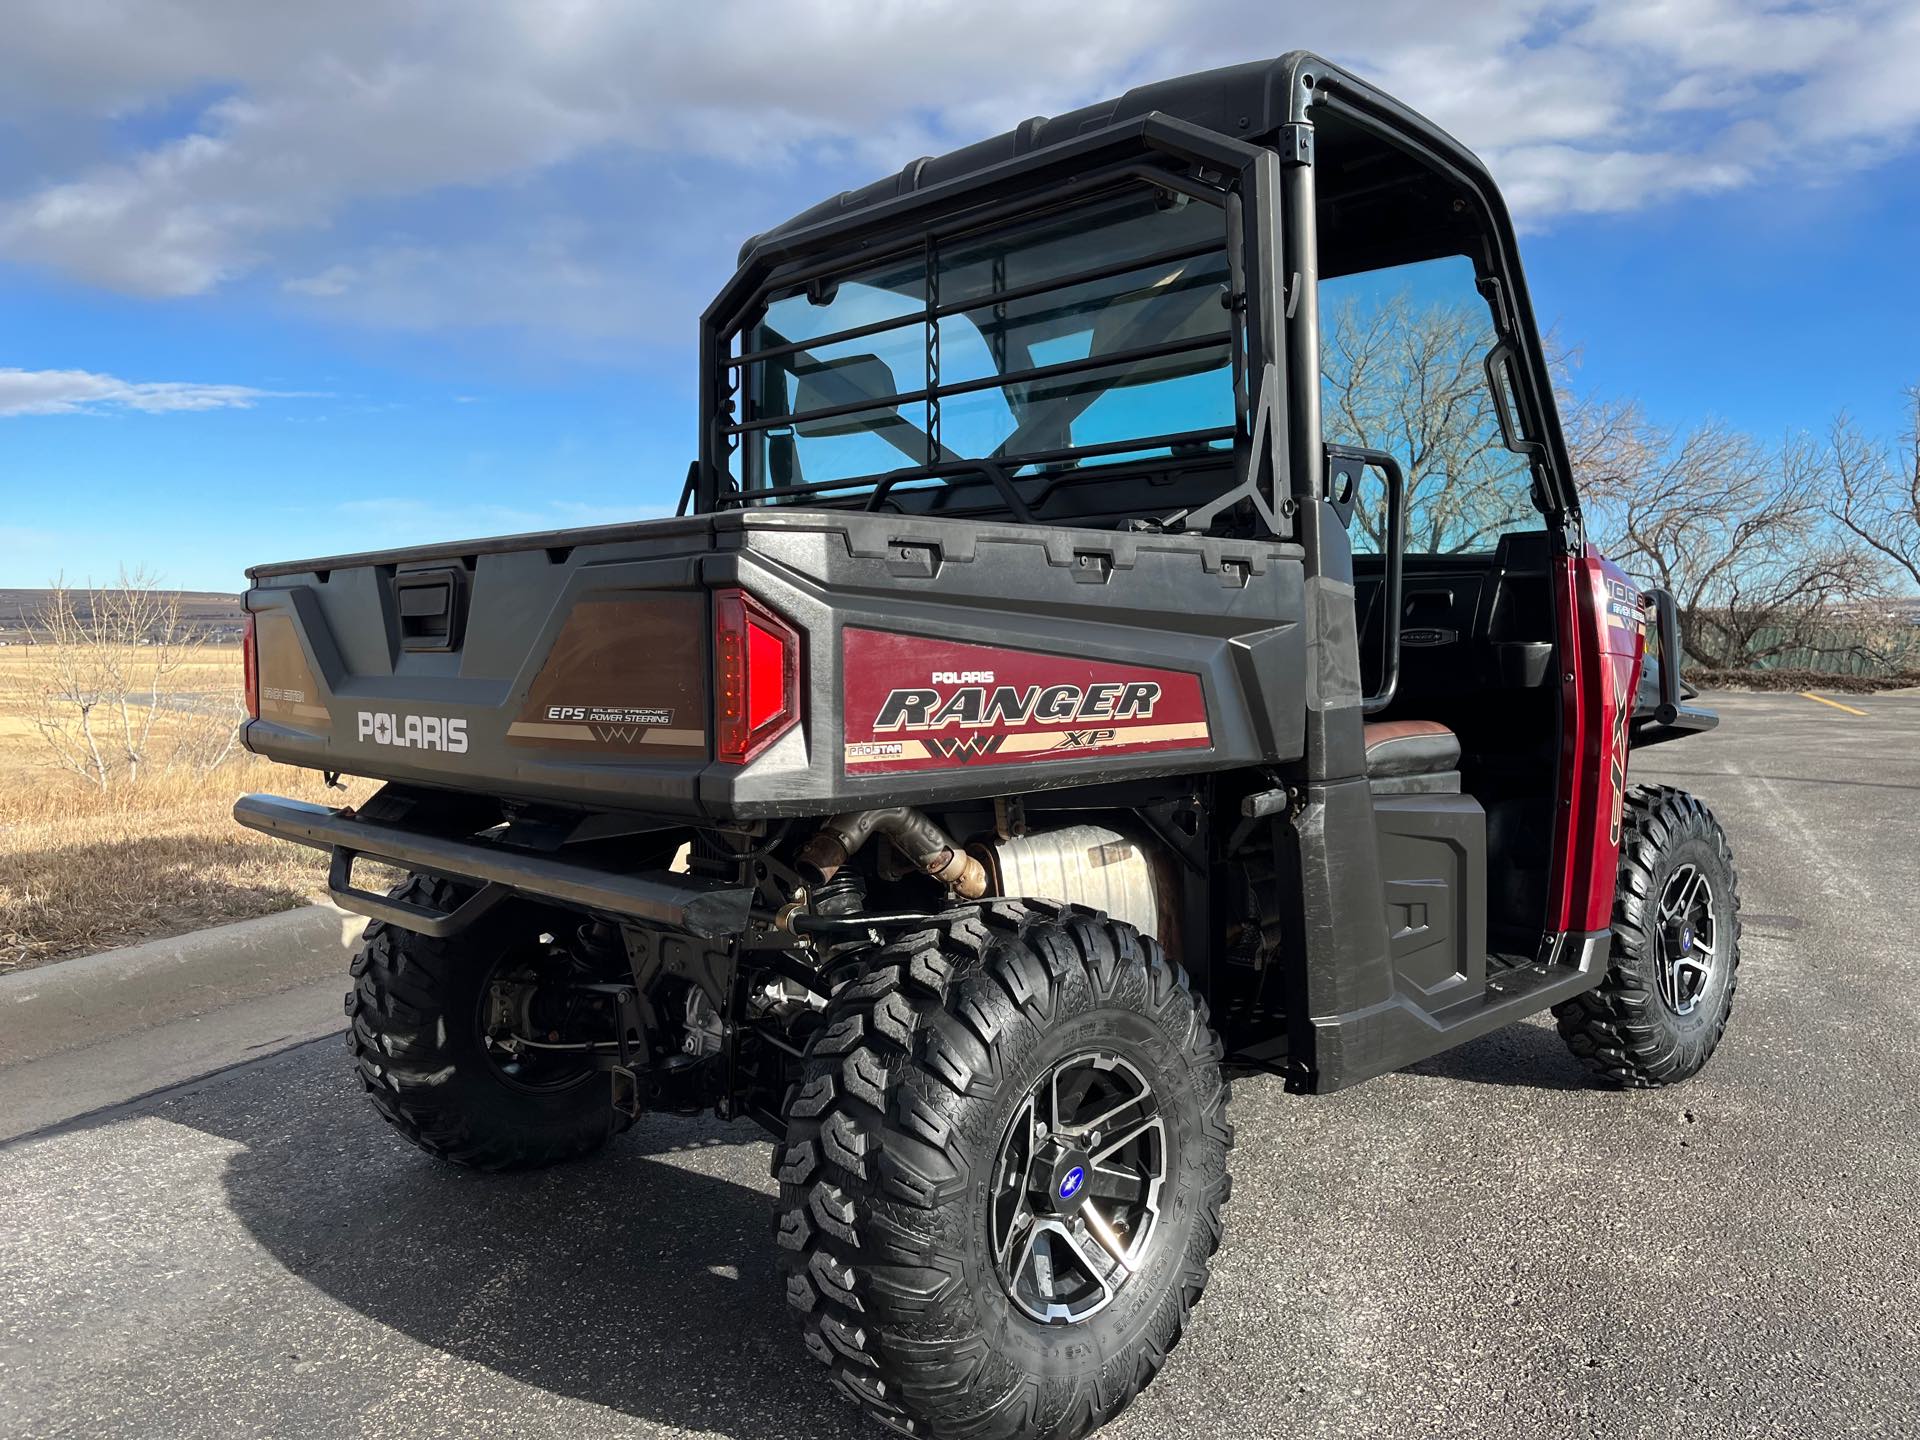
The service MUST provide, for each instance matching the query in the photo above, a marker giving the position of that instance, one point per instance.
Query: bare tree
(1875, 494)
(1738, 531)
(145, 652)
(207, 736)
(112, 657)
(1410, 380)
(1735, 529)
(67, 698)
(1607, 440)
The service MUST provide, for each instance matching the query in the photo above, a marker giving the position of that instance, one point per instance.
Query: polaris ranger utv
(1042, 704)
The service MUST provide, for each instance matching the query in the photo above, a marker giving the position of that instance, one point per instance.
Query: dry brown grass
(81, 871)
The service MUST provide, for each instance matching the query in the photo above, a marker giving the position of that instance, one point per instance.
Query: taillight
(757, 675)
(250, 660)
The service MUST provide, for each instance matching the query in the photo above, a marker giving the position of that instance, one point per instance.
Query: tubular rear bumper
(706, 908)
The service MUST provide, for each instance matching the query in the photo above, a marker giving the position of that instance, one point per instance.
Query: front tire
(1660, 1012)
(418, 1024)
(911, 1146)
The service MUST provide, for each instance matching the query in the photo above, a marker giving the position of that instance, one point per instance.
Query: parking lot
(1482, 1245)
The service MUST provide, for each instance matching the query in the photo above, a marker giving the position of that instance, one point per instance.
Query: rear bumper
(707, 908)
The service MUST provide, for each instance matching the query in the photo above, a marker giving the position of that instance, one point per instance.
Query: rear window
(1094, 334)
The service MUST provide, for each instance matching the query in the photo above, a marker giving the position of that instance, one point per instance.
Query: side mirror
(1344, 466)
(1663, 649)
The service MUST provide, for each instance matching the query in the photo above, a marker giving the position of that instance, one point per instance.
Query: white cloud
(70, 392)
(445, 96)
(333, 281)
(1728, 37)
(586, 167)
(1550, 179)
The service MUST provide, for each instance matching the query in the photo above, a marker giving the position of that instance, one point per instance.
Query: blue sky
(280, 281)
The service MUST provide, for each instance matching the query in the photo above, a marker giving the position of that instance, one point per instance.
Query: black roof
(1246, 102)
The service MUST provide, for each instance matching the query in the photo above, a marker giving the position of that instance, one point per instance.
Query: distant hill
(206, 612)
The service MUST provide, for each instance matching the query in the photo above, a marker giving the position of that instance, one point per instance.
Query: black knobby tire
(1626, 1030)
(893, 1134)
(416, 1038)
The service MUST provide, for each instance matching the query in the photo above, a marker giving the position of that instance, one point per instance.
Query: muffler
(1093, 866)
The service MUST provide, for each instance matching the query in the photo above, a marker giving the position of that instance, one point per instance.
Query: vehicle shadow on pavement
(1528, 1054)
(640, 1280)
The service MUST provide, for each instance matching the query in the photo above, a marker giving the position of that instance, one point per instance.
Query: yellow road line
(1809, 695)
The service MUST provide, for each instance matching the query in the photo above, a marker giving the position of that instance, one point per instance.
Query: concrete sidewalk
(80, 1035)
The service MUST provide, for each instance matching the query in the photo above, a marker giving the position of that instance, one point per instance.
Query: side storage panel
(1431, 990)
(948, 660)
(1433, 867)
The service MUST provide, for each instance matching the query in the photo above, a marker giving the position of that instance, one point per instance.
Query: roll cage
(1239, 182)
(1298, 158)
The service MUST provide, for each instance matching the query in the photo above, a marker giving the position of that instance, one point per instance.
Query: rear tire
(1664, 1004)
(416, 1035)
(896, 1180)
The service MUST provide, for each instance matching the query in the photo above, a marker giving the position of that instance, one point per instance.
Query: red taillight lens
(757, 675)
(250, 660)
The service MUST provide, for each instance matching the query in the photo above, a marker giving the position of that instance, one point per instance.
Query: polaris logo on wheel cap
(1070, 1186)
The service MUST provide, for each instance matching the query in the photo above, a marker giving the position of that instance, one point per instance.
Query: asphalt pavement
(1482, 1245)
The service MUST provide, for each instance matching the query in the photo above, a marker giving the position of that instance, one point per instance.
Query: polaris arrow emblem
(1070, 1186)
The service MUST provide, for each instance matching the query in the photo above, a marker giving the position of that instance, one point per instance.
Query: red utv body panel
(1603, 638)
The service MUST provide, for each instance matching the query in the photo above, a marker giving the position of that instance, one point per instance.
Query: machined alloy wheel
(1662, 1006)
(1078, 1198)
(1003, 1173)
(1686, 939)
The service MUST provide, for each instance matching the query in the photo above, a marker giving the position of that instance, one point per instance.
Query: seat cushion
(1410, 747)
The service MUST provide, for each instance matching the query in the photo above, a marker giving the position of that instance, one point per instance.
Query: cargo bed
(592, 667)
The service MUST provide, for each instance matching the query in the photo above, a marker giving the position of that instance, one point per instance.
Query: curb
(94, 998)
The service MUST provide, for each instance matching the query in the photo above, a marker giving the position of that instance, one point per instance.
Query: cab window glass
(1403, 354)
(1088, 336)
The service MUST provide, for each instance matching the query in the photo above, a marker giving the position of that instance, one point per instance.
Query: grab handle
(1342, 462)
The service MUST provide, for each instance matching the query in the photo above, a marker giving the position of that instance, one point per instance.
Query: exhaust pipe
(912, 833)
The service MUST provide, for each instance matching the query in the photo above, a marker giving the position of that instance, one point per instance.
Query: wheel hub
(1686, 939)
(1077, 1197)
(534, 1023)
(1057, 1179)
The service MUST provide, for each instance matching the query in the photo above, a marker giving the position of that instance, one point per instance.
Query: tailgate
(569, 666)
